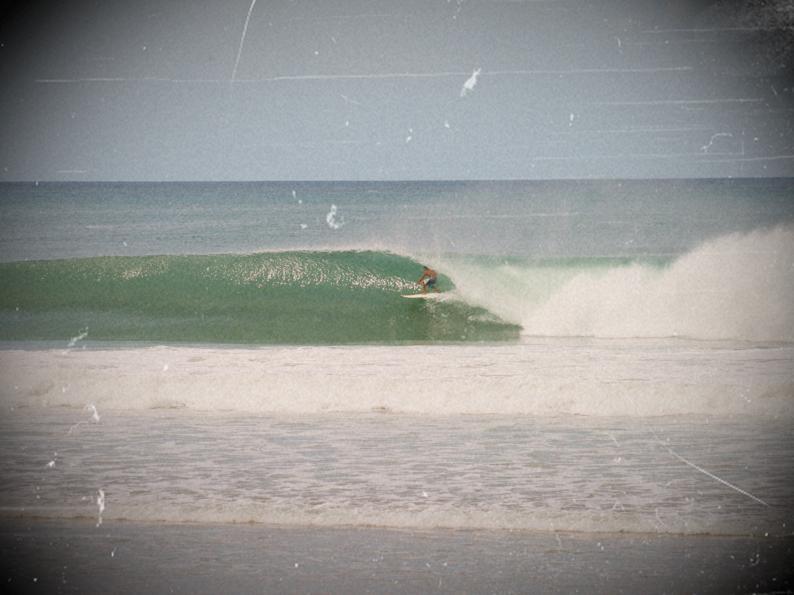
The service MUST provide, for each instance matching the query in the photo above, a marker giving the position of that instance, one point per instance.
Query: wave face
(268, 298)
(736, 287)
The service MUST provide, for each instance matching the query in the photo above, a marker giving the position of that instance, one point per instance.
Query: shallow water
(73, 556)
(666, 475)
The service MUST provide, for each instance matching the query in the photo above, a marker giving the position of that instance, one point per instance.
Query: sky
(395, 89)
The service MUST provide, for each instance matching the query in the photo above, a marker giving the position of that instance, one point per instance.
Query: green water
(277, 298)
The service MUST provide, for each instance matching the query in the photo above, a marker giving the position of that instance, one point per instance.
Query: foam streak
(100, 502)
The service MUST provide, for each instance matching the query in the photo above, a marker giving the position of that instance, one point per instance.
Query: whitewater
(539, 377)
(737, 286)
(612, 357)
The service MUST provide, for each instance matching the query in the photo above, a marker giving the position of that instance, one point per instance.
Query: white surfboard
(424, 296)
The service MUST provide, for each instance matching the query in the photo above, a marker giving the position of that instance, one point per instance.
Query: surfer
(428, 279)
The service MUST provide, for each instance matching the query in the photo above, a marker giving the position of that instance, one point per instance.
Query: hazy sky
(395, 89)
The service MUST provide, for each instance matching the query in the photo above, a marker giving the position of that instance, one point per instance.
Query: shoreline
(133, 557)
(7, 517)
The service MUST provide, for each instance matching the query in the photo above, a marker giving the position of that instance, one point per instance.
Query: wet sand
(49, 556)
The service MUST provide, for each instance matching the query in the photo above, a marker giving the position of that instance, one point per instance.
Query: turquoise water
(277, 297)
(325, 263)
(522, 219)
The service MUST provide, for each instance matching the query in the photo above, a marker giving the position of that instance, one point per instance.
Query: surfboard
(424, 296)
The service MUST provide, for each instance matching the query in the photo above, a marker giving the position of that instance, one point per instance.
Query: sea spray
(738, 286)
(735, 287)
(100, 503)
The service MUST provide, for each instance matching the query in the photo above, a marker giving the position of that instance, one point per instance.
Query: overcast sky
(395, 89)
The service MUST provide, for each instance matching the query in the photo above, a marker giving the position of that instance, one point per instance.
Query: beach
(219, 387)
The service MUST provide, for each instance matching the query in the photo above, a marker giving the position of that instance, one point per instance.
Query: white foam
(100, 503)
(76, 339)
(543, 377)
(424, 518)
(738, 286)
(424, 515)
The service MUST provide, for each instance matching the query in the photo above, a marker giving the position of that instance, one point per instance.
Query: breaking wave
(267, 298)
(736, 287)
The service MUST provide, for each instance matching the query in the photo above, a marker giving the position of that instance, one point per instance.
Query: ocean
(609, 371)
